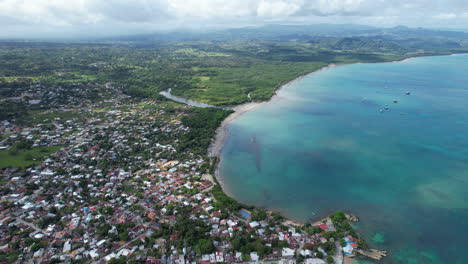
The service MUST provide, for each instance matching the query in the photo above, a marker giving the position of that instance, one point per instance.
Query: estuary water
(168, 95)
(387, 142)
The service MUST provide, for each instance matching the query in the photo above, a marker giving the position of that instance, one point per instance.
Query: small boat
(386, 108)
(408, 93)
(395, 101)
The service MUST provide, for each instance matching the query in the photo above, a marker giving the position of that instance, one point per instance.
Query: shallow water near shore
(327, 142)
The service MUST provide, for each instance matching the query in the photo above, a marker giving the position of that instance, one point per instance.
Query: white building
(287, 252)
(254, 256)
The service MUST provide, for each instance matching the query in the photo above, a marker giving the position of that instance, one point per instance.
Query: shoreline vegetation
(85, 96)
(220, 138)
(335, 227)
(218, 141)
(222, 133)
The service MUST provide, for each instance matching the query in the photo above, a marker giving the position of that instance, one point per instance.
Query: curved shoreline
(222, 132)
(216, 146)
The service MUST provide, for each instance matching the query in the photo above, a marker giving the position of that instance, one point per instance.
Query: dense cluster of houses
(117, 182)
(68, 93)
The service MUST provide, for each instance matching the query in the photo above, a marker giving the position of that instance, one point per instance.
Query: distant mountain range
(288, 32)
(335, 36)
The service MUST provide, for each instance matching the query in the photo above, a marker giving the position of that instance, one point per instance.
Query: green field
(232, 85)
(201, 54)
(228, 72)
(35, 117)
(24, 158)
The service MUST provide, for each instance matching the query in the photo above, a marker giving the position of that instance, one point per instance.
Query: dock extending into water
(373, 253)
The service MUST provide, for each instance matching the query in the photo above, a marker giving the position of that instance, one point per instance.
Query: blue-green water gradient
(327, 143)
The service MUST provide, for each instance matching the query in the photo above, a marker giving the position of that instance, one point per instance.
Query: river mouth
(388, 142)
(168, 95)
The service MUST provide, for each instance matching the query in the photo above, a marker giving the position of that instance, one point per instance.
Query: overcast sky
(36, 18)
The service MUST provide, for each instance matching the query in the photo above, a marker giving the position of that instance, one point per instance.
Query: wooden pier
(373, 253)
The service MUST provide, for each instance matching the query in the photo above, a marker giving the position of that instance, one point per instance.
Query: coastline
(222, 132)
(217, 143)
(216, 146)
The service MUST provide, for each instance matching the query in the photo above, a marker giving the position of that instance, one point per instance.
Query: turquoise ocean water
(327, 143)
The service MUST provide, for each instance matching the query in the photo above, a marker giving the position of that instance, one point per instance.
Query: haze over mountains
(281, 32)
(344, 37)
(88, 18)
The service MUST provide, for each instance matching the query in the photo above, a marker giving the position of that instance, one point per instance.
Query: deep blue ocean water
(327, 143)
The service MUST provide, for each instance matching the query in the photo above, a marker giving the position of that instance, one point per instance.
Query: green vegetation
(343, 228)
(62, 115)
(87, 84)
(200, 53)
(186, 232)
(230, 86)
(224, 201)
(247, 244)
(21, 158)
(9, 257)
(203, 123)
(214, 69)
(10, 110)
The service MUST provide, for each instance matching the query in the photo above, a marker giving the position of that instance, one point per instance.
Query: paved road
(123, 246)
(19, 220)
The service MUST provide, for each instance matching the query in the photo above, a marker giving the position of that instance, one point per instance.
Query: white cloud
(277, 8)
(51, 12)
(445, 16)
(207, 9)
(148, 14)
(340, 6)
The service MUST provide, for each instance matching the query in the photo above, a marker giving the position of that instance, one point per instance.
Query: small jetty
(373, 253)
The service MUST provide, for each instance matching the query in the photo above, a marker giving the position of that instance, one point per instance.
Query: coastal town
(115, 181)
(250, 131)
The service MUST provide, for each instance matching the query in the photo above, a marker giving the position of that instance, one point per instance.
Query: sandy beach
(217, 143)
(220, 138)
(222, 132)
